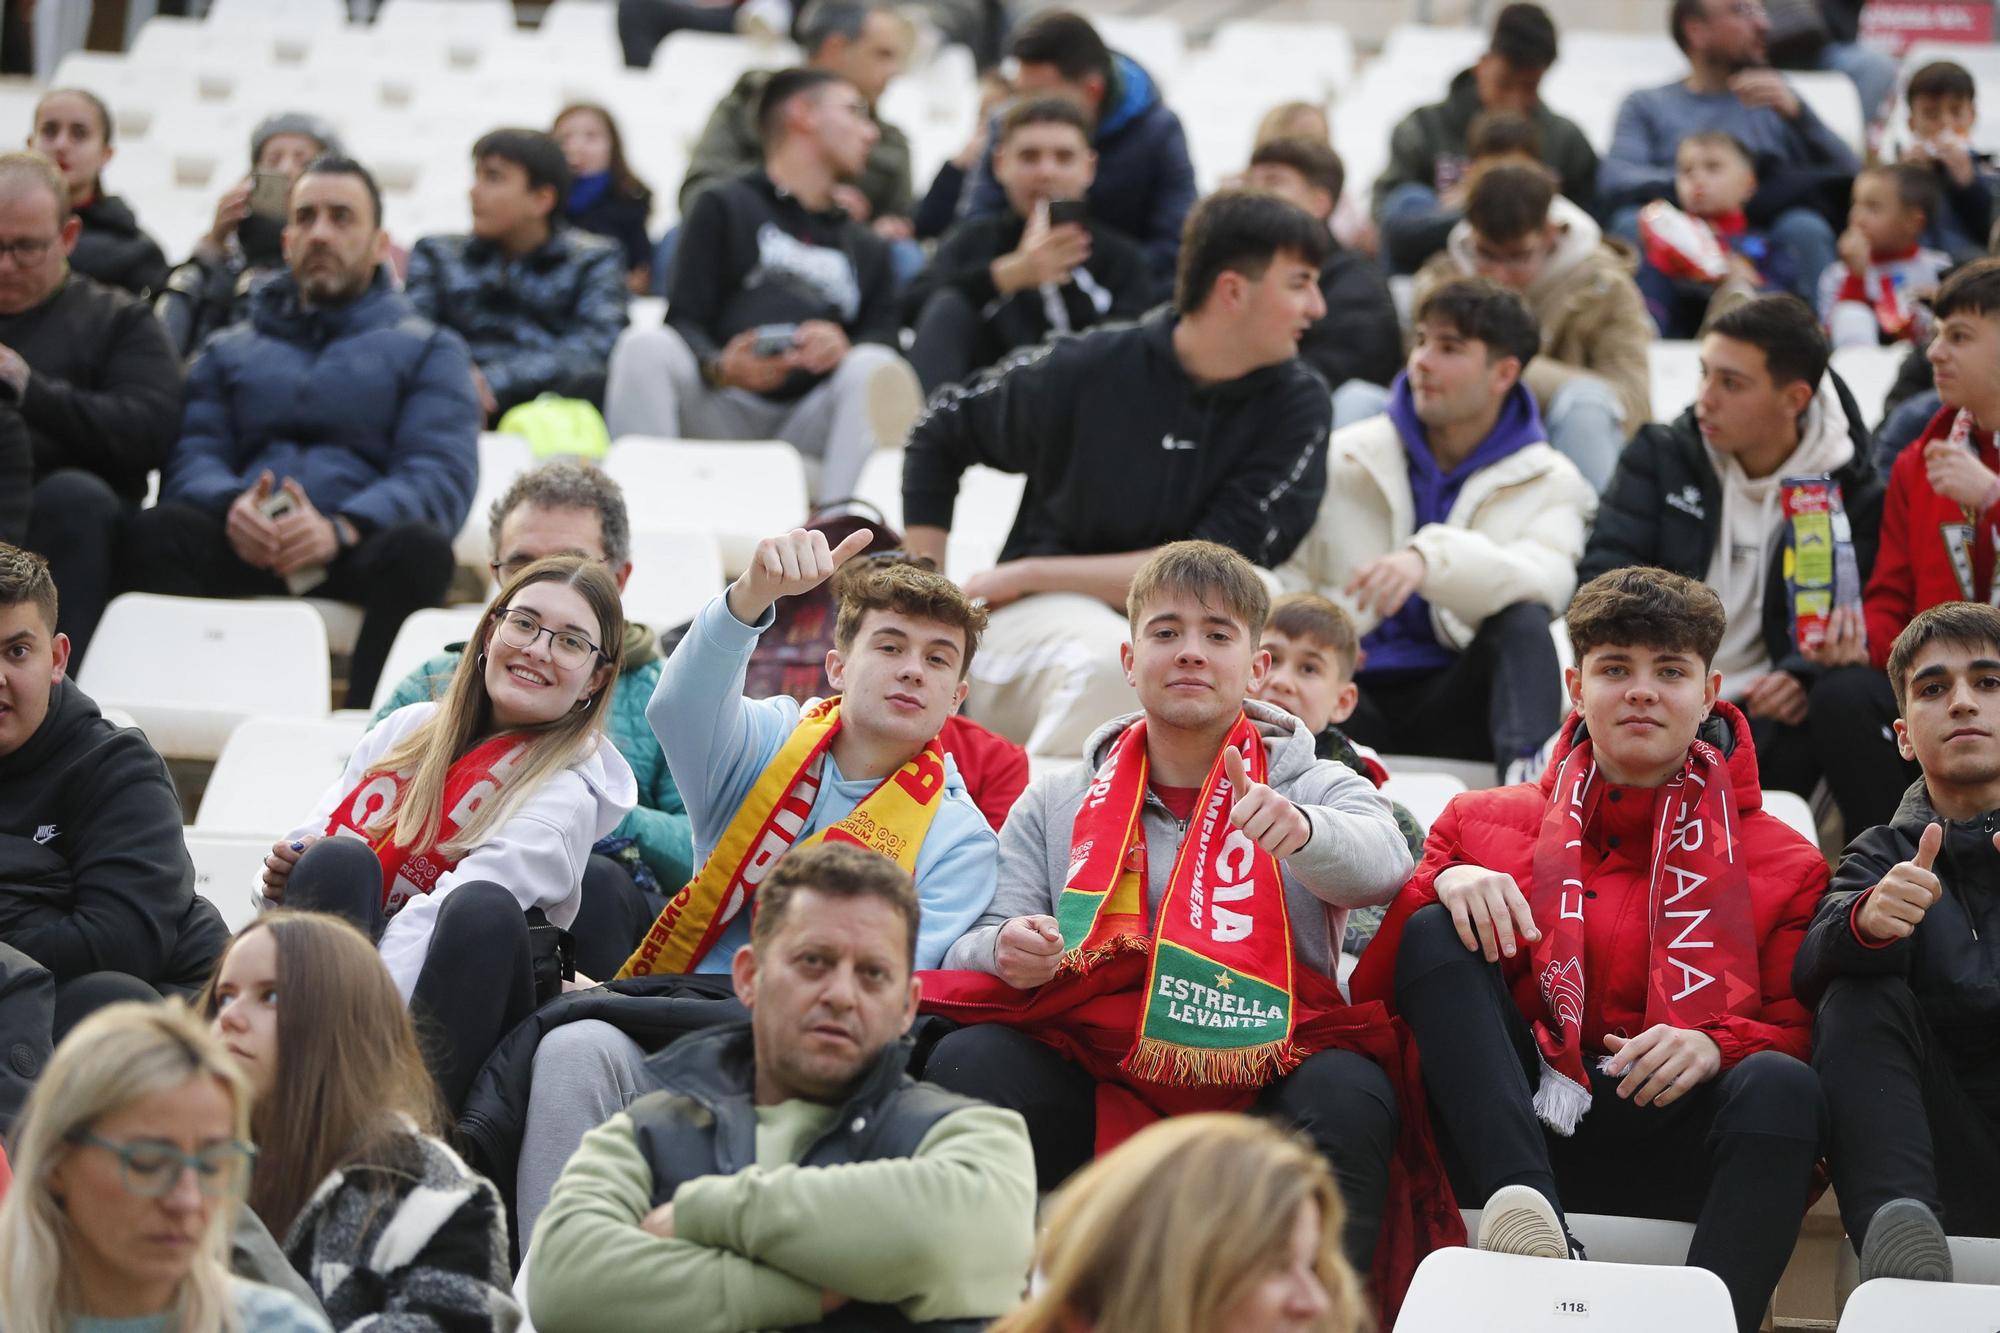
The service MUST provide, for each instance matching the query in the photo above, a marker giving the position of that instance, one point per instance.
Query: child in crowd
(378, 1215)
(605, 197)
(1314, 650)
(72, 128)
(1942, 114)
(1714, 177)
(1873, 294)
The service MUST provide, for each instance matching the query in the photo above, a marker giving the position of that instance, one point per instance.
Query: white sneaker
(1518, 1220)
(895, 400)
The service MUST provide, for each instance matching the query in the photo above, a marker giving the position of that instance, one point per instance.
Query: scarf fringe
(1080, 961)
(1560, 1100)
(1174, 1065)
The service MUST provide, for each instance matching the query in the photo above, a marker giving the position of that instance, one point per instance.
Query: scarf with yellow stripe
(891, 820)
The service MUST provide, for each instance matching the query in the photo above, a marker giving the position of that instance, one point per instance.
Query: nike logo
(1169, 443)
(45, 835)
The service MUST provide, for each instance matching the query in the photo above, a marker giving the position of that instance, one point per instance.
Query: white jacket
(538, 855)
(1514, 534)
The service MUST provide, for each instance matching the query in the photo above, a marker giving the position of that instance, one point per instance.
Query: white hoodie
(1752, 519)
(538, 854)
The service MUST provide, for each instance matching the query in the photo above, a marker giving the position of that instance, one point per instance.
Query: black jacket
(1112, 284)
(622, 218)
(1663, 507)
(105, 392)
(1949, 960)
(27, 1019)
(1359, 337)
(1123, 451)
(94, 875)
(113, 250)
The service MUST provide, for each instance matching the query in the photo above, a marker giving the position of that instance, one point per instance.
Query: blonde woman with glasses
(458, 836)
(130, 1163)
(1198, 1224)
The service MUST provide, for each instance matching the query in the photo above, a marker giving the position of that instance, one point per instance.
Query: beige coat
(1592, 316)
(1514, 534)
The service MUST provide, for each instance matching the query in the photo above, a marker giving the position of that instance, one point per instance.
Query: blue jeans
(1357, 400)
(1802, 233)
(1587, 425)
(1873, 72)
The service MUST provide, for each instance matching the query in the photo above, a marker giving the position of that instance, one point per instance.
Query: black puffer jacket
(1950, 961)
(1663, 507)
(113, 250)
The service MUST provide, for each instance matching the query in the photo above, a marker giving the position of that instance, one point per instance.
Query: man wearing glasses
(781, 313)
(94, 378)
(330, 444)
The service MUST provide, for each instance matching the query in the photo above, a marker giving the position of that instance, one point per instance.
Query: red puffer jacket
(1914, 570)
(1497, 829)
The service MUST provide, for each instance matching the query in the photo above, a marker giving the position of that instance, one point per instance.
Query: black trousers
(644, 24)
(1786, 760)
(1905, 1124)
(614, 916)
(76, 525)
(1850, 712)
(1500, 700)
(949, 341)
(1735, 1156)
(1340, 1100)
(179, 549)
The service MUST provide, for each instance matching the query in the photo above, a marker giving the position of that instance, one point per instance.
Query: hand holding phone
(270, 193)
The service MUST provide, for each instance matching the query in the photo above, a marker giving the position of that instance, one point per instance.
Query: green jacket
(658, 826)
(1428, 147)
(730, 143)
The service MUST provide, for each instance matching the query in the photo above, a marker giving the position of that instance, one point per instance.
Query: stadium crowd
(610, 986)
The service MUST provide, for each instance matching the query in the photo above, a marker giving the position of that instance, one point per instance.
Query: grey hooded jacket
(1356, 856)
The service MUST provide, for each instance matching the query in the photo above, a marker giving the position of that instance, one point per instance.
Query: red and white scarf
(1703, 944)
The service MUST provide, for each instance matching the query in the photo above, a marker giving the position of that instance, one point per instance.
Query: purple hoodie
(1405, 642)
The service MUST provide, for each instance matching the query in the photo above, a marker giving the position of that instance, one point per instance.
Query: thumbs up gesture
(1266, 818)
(1894, 906)
(787, 565)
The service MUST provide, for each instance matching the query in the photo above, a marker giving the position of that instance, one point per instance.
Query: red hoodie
(1914, 570)
(993, 768)
(1497, 829)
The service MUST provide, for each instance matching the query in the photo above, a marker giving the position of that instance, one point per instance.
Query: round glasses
(150, 1170)
(518, 629)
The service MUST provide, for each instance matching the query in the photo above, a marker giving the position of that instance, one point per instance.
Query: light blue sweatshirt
(717, 743)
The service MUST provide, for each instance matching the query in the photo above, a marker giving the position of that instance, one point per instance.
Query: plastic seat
(502, 458)
(1869, 372)
(225, 866)
(740, 490)
(271, 773)
(1795, 810)
(1425, 795)
(1457, 1289)
(1473, 774)
(1888, 1305)
(421, 637)
(1835, 100)
(1975, 1262)
(675, 572)
(1675, 365)
(189, 670)
(981, 520)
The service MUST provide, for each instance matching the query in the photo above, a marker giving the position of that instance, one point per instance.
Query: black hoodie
(113, 250)
(1124, 451)
(94, 874)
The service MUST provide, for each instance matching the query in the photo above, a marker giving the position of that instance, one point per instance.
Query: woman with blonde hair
(373, 1210)
(1209, 1223)
(128, 1167)
(458, 836)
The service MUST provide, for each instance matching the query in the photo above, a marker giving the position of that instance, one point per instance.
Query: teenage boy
(790, 1173)
(761, 776)
(1452, 530)
(1199, 419)
(1907, 1036)
(1592, 379)
(540, 303)
(1943, 112)
(1110, 857)
(1937, 541)
(1005, 280)
(1597, 967)
(1702, 497)
(1873, 294)
(781, 312)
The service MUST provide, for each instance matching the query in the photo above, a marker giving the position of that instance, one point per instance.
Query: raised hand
(1895, 907)
(787, 565)
(1266, 818)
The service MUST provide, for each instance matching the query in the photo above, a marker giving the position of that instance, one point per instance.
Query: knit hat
(293, 122)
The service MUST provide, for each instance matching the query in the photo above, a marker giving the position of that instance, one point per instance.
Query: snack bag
(1820, 570)
(1681, 246)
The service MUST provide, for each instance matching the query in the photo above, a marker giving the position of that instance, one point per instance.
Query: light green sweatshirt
(945, 1234)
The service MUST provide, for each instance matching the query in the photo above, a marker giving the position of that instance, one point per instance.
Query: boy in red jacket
(1597, 967)
(1938, 524)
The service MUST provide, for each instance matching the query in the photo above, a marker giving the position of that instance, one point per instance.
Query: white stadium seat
(981, 520)
(1795, 810)
(190, 669)
(1425, 795)
(225, 866)
(1457, 1289)
(502, 458)
(271, 773)
(675, 572)
(421, 637)
(1675, 366)
(1869, 372)
(1975, 1261)
(741, 490)
(1890, 1306)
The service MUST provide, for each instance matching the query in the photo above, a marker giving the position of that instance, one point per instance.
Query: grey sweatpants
(585, 1073)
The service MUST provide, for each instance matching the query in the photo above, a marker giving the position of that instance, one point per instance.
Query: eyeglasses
(504, 571)
(518, 629)
(150, 1170)
(27, 253)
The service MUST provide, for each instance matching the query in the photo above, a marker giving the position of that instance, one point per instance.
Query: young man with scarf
(1174, 906)
(1908, 1021)
(1937, 542)
(1597, 967)
(762, 776)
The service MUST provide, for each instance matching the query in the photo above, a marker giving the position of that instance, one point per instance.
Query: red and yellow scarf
(1703, 960)
(892, 820)
(1219, 1005)
(475, 778)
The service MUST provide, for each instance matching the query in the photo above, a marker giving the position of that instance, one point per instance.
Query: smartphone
(774, 339)
(278, 505)
(270, 192)
(1063, 212)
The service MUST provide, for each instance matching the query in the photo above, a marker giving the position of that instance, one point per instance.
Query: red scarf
(475, 778)
(1895, 310)
(1704, 945)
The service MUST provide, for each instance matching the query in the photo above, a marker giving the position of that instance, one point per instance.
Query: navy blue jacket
(1145, 182)
(369, 406)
